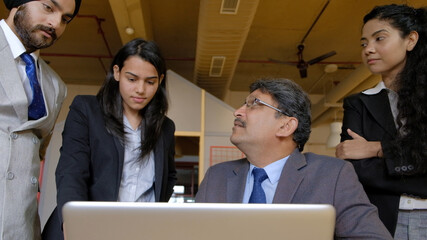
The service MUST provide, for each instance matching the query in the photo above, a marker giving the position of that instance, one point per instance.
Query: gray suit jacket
(22, 142)
(306, 178)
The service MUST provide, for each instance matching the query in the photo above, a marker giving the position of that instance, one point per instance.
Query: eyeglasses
(253, 101)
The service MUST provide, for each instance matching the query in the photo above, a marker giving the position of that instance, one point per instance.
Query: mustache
(243, 123)
(47, 29)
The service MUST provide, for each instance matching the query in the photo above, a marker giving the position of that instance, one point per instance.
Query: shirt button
(35, 140)
(10, 175)
(33, 180)
(14, 135)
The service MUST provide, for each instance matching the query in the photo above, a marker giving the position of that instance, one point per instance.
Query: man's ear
(9, 19)
(288, 127)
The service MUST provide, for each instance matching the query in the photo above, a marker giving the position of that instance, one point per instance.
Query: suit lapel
(291, 178)
(46, 84)
(121, 154)
(158, 166)
(10, 80)
(236, 183)
(379, 107)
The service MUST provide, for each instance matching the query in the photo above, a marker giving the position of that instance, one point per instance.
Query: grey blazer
(306, 178)
(22, 143)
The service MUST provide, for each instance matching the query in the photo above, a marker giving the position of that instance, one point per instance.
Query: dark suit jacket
(91, 162)
(370, 116)
(306, 178)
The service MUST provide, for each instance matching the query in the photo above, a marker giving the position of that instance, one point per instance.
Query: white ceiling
(190, 32)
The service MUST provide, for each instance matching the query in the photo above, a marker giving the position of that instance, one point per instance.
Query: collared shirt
(393, 97)
(137, 183)
(269, 185)
(17, 49)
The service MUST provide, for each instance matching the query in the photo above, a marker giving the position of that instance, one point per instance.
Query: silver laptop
(197, 221)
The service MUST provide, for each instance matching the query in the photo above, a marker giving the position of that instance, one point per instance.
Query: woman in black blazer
(385, 128)
(118, 145)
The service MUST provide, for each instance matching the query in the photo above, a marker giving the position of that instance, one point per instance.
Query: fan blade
(303, 72)
(320, 58)
(282, 62)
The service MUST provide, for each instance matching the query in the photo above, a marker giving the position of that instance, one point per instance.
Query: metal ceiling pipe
(100, 31)
(328, 116)
(359, 75)
(331, 113)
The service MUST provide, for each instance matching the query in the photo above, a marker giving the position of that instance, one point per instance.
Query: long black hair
(411, 142)
(110, 99)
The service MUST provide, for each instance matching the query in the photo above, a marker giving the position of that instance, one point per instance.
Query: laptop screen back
(197, 221)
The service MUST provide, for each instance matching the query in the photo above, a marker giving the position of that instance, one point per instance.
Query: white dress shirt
(17, 49)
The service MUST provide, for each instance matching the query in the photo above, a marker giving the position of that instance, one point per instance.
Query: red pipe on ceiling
(100, 31)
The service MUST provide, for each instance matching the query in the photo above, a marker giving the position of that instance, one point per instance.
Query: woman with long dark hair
(384, 131)
(119, 145)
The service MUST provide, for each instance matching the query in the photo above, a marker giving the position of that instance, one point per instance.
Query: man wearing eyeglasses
(271, 129)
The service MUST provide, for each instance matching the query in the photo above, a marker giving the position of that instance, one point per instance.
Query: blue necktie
(36, 109)
(258, 194)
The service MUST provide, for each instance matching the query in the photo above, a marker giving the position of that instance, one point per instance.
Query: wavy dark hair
(411, 142)
(292, 100)
(110, 99)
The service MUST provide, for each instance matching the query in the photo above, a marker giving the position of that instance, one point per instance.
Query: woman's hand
(358, 148)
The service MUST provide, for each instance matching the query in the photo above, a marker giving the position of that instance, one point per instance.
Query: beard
(28, 33)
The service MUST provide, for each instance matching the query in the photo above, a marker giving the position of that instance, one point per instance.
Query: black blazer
(370, 116)
(91, 162)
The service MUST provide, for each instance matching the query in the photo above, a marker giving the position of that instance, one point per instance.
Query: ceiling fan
(303, 65)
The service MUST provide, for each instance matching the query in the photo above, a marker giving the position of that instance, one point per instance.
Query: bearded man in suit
(31, 95)
(271, 129)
